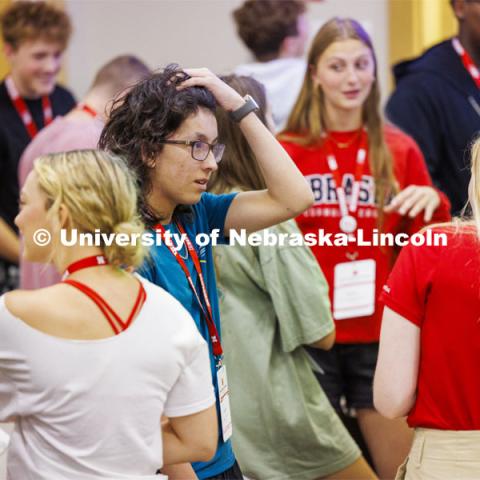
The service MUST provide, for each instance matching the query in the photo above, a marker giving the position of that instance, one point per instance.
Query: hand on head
(225, 95)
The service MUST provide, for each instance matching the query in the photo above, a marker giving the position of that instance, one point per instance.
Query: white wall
(189, 32)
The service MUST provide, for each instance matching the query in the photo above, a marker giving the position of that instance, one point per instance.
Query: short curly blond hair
(26, 20)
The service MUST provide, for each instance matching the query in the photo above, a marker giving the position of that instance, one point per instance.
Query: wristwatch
(249, 106)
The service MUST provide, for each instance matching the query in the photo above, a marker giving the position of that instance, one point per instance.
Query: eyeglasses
(200, 149)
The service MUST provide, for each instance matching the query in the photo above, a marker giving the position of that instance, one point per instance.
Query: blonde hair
(474, 187)
(470, 213)
(307, 121)
(100, 194)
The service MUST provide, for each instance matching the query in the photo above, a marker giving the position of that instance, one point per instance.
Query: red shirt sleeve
(409, 283)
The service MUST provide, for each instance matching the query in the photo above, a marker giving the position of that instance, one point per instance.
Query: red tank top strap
(141, 297)
(106, 309)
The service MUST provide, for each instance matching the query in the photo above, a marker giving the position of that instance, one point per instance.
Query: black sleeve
(413, 109)
(62, 101)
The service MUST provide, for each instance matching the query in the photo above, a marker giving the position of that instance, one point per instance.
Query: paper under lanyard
(22, 109)
(348, 223)
(467, 61)
(354, 289)
(223, 391)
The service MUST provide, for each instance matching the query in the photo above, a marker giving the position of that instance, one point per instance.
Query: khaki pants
(442, 455)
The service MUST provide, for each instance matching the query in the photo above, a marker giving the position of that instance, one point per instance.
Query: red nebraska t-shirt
(438, 289)
(409, 169)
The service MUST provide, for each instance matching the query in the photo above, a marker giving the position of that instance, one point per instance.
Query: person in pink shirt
(80, 129)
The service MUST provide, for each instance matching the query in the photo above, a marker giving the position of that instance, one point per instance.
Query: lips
(352, 93)
(202, 183)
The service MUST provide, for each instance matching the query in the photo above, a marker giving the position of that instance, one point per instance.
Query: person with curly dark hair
(276, 34)
(166, 129)
(35, 35)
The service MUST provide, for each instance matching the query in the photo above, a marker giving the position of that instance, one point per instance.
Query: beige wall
(189, 32)
(415, 25)
(3, 61)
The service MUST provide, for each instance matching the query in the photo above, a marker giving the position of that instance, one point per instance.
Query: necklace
(348, 143)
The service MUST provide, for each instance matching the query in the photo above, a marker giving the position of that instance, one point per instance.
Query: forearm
(9, 243)
(285, 183)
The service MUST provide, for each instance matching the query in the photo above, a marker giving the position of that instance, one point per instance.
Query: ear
(288, 47)
(9, 51)
(64, 218)
(459, 7)
(149, 159)
(313, 75)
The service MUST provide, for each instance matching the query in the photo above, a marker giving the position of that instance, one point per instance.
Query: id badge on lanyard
(354, 289)
(207, 312)
(224, 402)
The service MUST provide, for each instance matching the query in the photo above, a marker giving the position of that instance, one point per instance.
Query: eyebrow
(203, 137)
(343, 58)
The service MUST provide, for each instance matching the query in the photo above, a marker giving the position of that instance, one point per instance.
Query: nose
(52, 64)
(15, 221)
(352, 75)
(210, 163)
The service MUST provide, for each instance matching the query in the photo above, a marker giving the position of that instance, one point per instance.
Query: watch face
(250, 105)
(251, 100)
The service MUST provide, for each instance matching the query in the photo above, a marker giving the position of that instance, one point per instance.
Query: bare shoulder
(29, 305)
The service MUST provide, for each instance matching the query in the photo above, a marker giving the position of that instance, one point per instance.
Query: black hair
(149, 113)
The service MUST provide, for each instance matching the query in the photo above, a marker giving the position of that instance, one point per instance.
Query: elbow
(390, 410)
(328, 341)
(325, 343)
(308, 200)
(393, 404)
(304, 201)
(206, 451)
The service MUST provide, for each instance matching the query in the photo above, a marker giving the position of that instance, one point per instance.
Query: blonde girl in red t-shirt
(365, 176)
(430, 348)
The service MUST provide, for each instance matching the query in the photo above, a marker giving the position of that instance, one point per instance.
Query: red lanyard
(207, 313)
(87, 109)
(348, 223)
(467, 61)
(22, 109)
(93, 261)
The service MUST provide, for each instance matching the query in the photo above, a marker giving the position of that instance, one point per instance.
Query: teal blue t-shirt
(163, 270)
